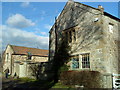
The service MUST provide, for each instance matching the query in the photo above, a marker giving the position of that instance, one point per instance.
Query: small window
(110, 27)
(75, 62)
(86, 60)
(29, 56)
(74, 35)
(70, 36)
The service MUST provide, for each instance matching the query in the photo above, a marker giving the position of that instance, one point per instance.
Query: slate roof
(20, 50)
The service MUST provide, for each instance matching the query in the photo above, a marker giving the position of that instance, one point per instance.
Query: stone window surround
(80, 61)
(111, 27)
(73, 35)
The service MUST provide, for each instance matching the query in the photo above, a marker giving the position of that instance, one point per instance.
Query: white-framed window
(85, 60)
(75, 62)
(110, 27)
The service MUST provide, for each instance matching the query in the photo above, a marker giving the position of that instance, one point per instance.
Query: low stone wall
(106, 80)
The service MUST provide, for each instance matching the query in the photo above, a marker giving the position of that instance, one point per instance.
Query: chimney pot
(70, 0)
(100, 7)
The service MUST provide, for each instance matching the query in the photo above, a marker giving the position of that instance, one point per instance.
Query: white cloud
(25, 4)
(47, 26)
(38, 31)
(19, 21)
(23, 38)
(43, 33)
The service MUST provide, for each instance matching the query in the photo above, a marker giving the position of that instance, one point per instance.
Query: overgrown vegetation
(36, 70)
(60, 59)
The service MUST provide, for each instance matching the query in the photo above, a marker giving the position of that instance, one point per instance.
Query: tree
(36, 70)
(61, 57)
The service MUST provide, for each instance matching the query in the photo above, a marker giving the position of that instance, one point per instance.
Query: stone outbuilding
(93, 36)
(18, 59)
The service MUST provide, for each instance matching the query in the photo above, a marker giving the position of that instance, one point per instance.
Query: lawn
(59, 85)
(31, 83)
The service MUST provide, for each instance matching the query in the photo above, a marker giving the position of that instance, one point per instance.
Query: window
(74, 35)
(86, 60)
(110, 27)
(29, 56)
(70, 35)
(75, 62)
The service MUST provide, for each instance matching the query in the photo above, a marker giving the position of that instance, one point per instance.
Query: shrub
(89, 79)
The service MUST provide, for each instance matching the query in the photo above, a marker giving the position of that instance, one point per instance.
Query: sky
(28, 23)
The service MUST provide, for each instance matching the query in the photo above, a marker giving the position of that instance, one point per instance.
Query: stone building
(93, 36)
(18, 59)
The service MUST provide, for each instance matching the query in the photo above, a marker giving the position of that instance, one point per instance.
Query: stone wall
(21, 64)
(8, 63)
(89, 34)
(92, 37)
(40, 59)
(111, 48)
(33, 59)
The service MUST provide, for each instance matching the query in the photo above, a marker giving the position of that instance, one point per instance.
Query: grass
(25, 80)
(60, 85)
(41, 84)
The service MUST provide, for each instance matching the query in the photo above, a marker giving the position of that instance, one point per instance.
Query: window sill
(80, 69)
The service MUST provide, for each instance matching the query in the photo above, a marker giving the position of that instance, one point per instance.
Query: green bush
(89, 79)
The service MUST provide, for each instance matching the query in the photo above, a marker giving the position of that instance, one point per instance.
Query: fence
(116, 81)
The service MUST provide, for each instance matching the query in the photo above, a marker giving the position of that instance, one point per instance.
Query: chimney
(101, 8)
(71, 1)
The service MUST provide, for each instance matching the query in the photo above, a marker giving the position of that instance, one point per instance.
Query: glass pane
(75, 63)
(85, 61)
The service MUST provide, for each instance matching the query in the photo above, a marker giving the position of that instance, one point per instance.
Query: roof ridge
(24, 50)
(12, 47)
(27, 47)
(87, 5)
(105, 13)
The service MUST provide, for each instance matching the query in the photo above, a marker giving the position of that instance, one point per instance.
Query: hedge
(89, 79)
